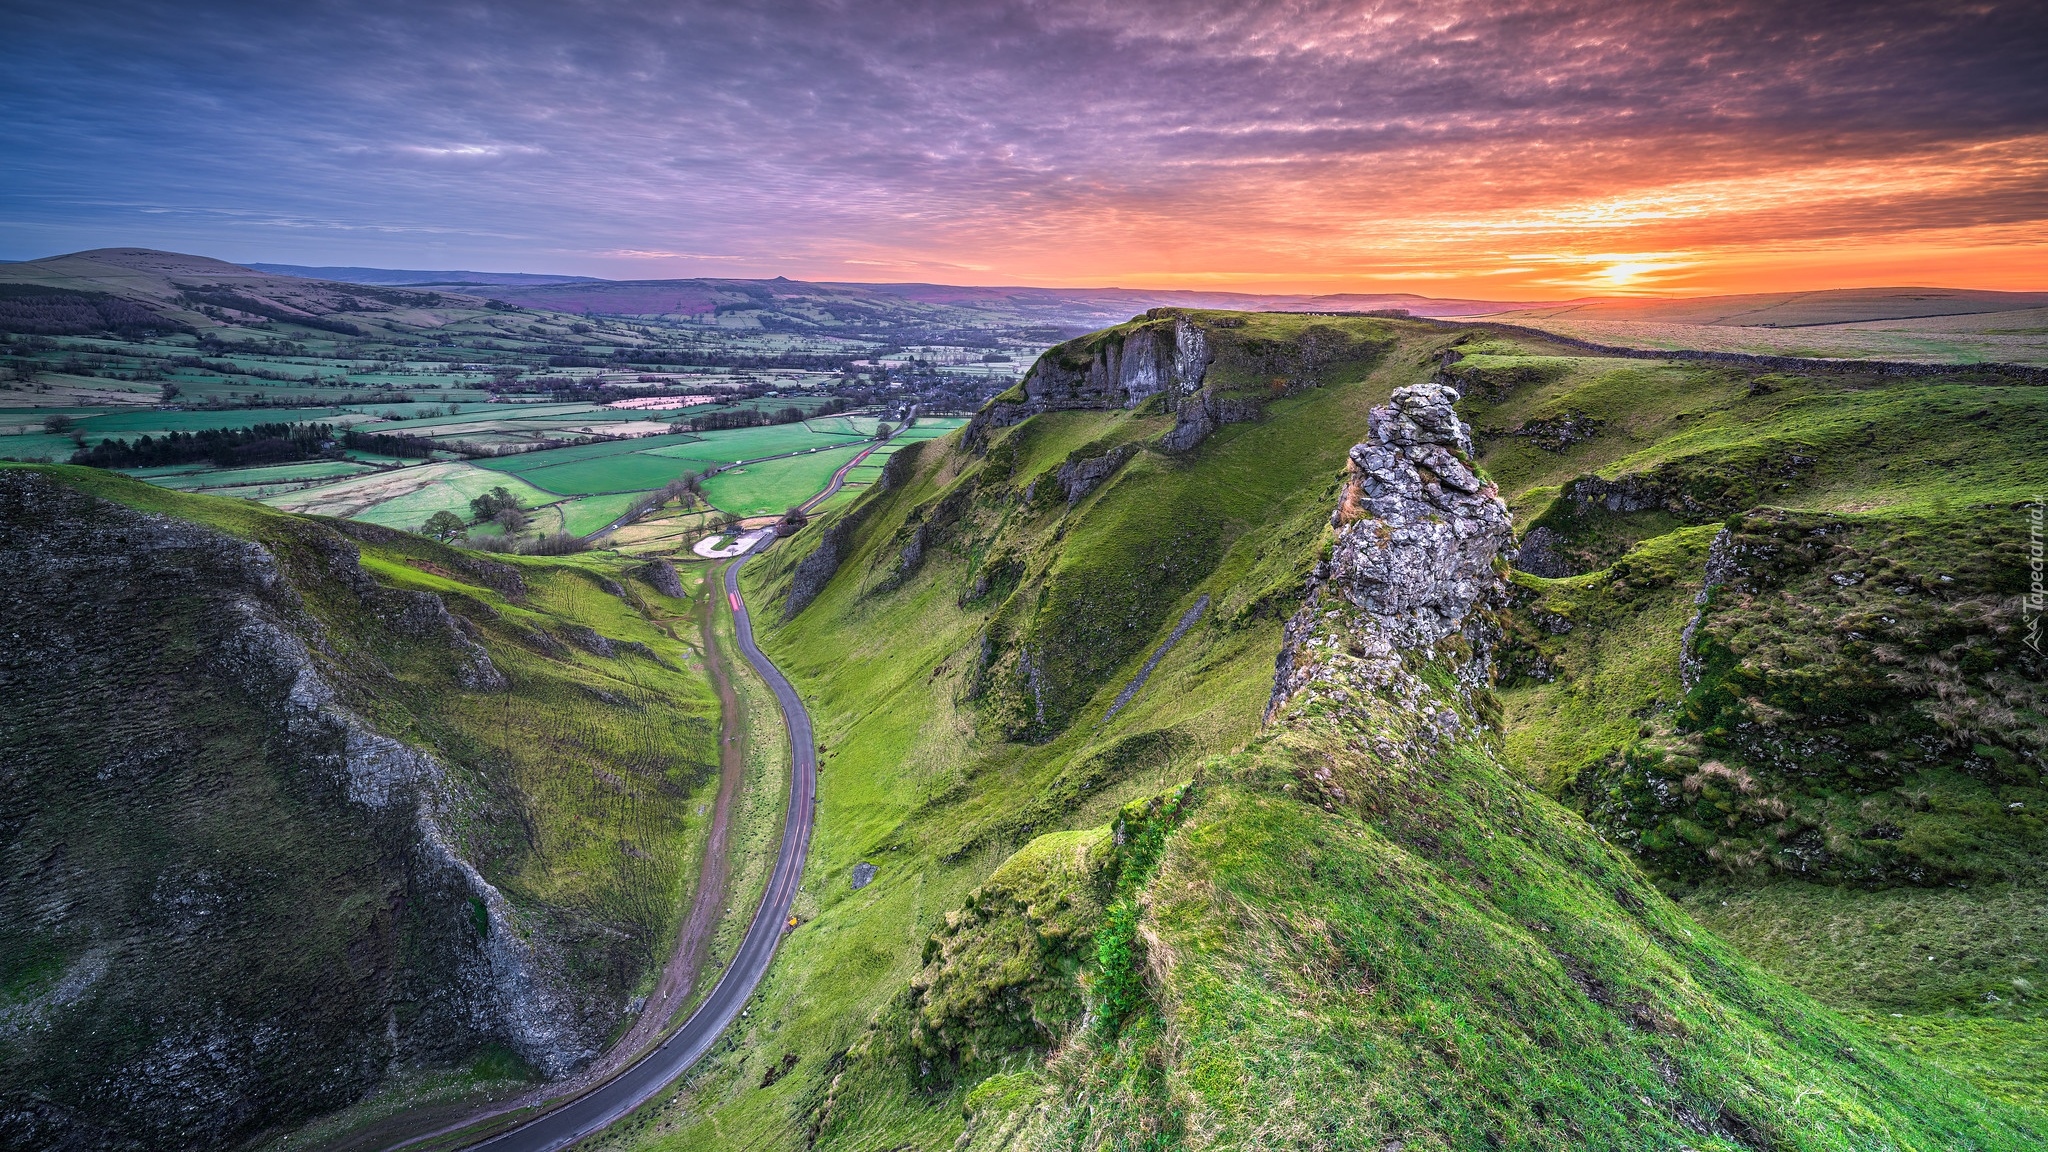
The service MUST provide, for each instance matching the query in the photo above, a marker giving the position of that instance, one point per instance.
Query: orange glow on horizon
(1520, 228)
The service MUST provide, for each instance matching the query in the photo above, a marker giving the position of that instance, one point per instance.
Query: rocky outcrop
(1079, 477)
(1556, 433)
(424, 615)
(1166, 356)
(1418, 538)
(589, 640)
(815, 571)
(1627, 494)
(1539, 554)
(661, 576)
(1721, 567)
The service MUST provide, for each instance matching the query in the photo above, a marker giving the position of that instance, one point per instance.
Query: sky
(1509, 150)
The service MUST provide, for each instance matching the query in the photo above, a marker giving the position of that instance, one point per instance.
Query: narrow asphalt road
(838, 479)
(636, 1085)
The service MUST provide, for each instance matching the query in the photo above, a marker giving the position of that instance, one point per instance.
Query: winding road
(599, 1107)
(641, 1081)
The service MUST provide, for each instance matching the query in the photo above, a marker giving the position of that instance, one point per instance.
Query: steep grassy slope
(294, 805)
(1363, 932)
(1428, 930)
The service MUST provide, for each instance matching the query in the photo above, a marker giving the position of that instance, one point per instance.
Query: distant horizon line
(567, 278)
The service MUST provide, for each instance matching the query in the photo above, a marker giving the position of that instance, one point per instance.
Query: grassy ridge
(1908, 481)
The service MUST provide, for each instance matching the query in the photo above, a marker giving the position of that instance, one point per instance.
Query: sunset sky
(1507, 151)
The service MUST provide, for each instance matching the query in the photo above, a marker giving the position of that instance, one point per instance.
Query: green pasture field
(775, 485)
(842, 425)
(582, 517)
(650, 462)
(103, 423)
(753, 443)
(930, 428)
(581, 453)
(623, 472)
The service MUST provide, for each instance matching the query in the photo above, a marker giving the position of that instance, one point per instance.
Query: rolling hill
(194, 291)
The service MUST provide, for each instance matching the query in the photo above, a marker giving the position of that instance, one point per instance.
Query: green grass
(914, 781)
(269, 474)
(648, 463)
(920, 780)
(405, 498)
(582, 517)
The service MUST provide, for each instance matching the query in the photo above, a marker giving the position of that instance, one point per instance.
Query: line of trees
(223, 447)
(401, 444)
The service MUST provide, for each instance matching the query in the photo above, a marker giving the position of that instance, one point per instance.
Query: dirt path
(686, 962)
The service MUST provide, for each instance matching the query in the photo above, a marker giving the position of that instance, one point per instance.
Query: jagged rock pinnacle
(1418, 530)
(1418, 536)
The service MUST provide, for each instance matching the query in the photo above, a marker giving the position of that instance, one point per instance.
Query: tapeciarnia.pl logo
(2037, 570)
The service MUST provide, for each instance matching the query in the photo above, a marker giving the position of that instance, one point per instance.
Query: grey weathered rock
(1194, 422)
(1539, 554)
(1556, 433)
(157, 613)
(661, 576)
(589, 640)
(1418, 540)
(1722, 566)
(863, 875)
(1417, 529)
(1080, 477)
(814, 571)
(424, 615)
(1167, 356)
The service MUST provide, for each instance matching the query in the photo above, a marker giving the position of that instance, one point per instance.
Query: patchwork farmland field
(405, 497)
(576, 489)
(300, 473)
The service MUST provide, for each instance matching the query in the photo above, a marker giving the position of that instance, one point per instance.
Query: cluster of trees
(223, 447)
(500, 507)
(687, 491)
(568, 357)
(32, 308)
(752, 417)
